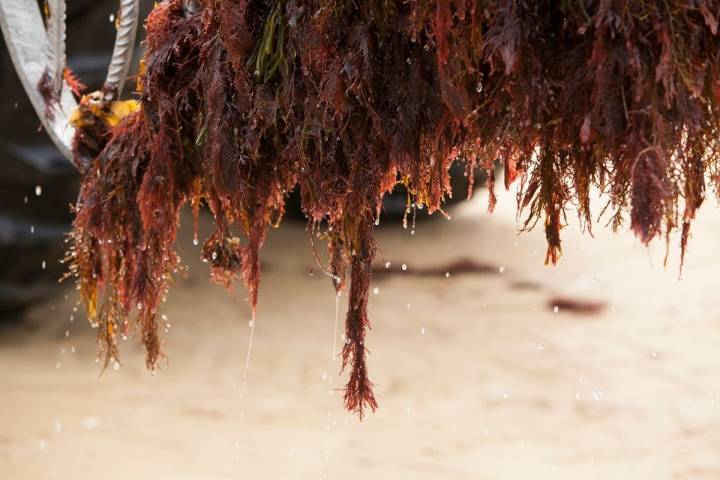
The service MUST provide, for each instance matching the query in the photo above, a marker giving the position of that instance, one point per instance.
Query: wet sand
(477, 375)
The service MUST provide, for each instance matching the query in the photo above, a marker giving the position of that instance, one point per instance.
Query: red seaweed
(241, 102)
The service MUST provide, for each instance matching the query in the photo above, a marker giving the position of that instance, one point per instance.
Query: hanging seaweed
(243, 101)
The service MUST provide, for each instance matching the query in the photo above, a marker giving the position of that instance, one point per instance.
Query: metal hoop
(36, 51)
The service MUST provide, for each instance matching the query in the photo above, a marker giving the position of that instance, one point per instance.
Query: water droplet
(67, 333)
(404, 267)
(214, 255)
(408, 306)
(541, 347)
(324, 376)
(556, 309)
(90, 423)
(376, 290)
(447, 274)
(111, 18)
(479, 87)
(387, 264)
(116, 366)
(38, 190)
(57, 366)
(195, 241)
(58, 426)
(32, 229)
(501, 270)
(422, 330)
(139, 306)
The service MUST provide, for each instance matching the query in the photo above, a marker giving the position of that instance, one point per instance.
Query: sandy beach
(604, 367)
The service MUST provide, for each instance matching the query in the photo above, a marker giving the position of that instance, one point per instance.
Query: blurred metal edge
(24, 32)
(27, 41)
(124, 45)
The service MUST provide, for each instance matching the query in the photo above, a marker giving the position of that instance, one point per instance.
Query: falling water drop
(335, 328)
(38, 190)
(251, 323)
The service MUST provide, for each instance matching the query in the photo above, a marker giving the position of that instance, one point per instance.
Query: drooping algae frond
(242, 101)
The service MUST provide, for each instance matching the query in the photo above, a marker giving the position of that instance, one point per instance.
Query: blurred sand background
(477, 375)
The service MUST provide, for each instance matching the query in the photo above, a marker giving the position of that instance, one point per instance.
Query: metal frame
(35, 51)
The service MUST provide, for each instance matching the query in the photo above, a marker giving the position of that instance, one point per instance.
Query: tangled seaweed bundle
(241, 101)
